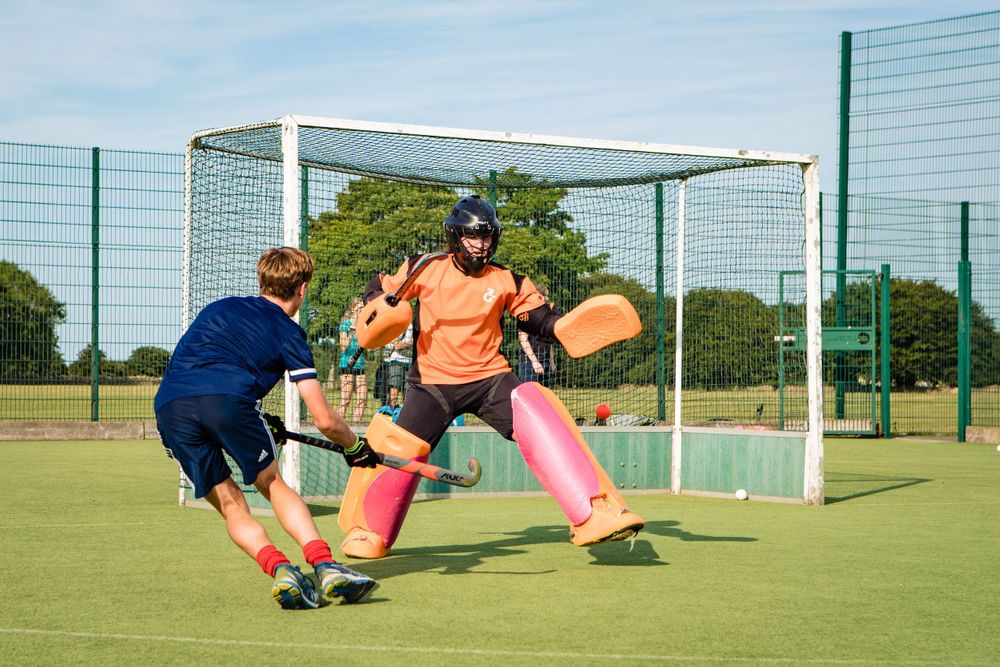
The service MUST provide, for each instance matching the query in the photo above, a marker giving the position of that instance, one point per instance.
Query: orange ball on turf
(603, 411)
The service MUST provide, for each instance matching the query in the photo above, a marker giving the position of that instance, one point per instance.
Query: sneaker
(293, 590)
(340, 581)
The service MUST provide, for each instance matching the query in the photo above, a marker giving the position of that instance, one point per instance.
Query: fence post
(963, 348)
(842, 206)
(964, 328)
(968, 311)
(95, 283)
(661, 324)
(885, 342)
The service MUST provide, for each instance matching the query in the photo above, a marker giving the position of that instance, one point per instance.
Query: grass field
(901, 567)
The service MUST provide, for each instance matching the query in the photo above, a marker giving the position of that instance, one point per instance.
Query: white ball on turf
(741, 494)
(998, 448)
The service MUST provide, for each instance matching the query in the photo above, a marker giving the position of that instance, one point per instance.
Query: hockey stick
(394, 298)
(424, 470)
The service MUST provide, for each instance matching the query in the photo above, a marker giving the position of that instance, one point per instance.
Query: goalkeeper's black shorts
(430, 408)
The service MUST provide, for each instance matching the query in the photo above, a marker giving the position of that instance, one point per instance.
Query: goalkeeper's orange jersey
(457, 323)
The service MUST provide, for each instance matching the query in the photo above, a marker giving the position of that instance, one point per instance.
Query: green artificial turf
(901, 567)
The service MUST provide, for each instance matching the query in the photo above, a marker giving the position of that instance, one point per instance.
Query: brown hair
(280, 271)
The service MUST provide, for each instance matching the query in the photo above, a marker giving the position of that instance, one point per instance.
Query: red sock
(270, 558)
(317, 551)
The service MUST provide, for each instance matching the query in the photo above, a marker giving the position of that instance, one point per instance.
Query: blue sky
(145, 75)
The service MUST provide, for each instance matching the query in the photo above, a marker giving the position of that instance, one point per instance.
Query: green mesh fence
(919, 116)
(89, 280)
(95, 236)
(850, 371)
(924, 102)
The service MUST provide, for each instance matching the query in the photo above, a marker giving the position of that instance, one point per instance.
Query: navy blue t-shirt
(239, 346)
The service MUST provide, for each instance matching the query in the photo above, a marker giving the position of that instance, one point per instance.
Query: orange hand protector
(597, 323)
(380, 323)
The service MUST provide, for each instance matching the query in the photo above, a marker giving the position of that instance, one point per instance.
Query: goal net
(695, 238)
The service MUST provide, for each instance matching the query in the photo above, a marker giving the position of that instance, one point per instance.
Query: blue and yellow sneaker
(293, 590)
(340, 581)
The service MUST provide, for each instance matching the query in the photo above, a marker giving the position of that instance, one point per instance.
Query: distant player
(209, 402)
(536, 362)
(457, 368)
(352, 378)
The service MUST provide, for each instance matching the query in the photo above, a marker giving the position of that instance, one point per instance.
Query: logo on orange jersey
(489, 294)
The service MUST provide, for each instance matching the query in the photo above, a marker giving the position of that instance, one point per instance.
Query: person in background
(536, 361)
(353, 381)
(398, 364)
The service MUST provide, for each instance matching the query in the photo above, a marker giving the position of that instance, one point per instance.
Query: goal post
(693, 236)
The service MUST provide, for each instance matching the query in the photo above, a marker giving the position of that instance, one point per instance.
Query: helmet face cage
(472, 217)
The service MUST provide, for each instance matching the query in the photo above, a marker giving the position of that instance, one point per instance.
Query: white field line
(976, 503)
(87, 525)
(428, 650)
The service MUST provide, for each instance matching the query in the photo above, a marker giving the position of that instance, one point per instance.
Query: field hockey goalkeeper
(457, 368)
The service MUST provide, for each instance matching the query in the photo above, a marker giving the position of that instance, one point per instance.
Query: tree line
(29, 345)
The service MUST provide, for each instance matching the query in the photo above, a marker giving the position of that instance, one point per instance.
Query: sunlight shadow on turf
(848, 486)
(625, 553)
(463, 558)
(643, 553)
(669, 529)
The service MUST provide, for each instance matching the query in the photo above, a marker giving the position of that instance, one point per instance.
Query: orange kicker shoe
(361, 543)
(607, 523)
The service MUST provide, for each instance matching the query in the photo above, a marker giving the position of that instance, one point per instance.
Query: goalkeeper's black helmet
(472, 216)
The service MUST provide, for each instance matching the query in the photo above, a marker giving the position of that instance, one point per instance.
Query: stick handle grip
(328, 445)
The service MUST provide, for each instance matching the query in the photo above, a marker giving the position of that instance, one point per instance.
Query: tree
(537, 239)
(728, 339)
(147, 361)
(29, 315)
(108, 368)
(923, 326)
(374, 226)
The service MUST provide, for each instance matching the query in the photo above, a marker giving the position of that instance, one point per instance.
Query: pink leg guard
(559, 457)
(552, 451)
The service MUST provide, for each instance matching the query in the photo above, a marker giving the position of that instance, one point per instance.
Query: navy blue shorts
(195, 431)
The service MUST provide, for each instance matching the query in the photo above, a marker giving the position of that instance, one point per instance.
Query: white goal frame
(812, 490)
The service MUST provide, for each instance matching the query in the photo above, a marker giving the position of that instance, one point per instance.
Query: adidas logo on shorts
(263, 455)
